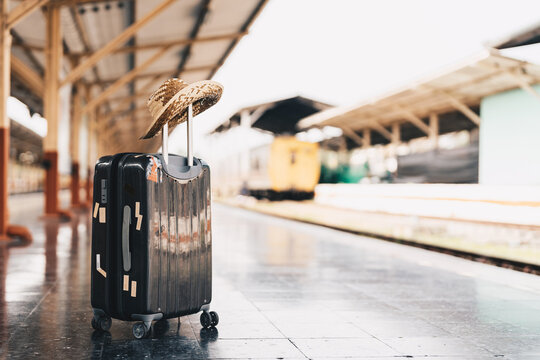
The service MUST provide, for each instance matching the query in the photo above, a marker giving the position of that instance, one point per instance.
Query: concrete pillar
(366, 138)
(5, 54)
(396, 134)
(51, 105)
(6, 230)
(434, 127)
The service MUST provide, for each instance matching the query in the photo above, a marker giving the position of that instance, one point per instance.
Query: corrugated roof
(199, 34)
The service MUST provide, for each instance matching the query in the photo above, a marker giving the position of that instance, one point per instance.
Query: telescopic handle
(190, 135)
(165, 142)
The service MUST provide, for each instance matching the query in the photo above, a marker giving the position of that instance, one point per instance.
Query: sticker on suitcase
(152, 173)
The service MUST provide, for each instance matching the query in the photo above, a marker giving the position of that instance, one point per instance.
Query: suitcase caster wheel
(206, 319)
(140, 330)
(214, 318)
(102, 323)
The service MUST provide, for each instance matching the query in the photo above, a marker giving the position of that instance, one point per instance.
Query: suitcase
(151, 239)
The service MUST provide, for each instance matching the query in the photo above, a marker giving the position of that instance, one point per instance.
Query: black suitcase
(151, 239)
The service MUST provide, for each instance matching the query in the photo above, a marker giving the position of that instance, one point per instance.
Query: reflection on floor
(282, 289)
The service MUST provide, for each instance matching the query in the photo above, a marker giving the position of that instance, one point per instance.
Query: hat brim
(201, 95)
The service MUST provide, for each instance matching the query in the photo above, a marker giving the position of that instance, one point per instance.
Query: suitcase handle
(165, 138)
(126, 255)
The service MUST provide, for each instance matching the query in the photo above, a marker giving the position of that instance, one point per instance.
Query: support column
(434, 130)
(396, 134)
(6, 230)
(5, 55)
(51, 105)
(366, 138)
(74, 145)
(91, 155)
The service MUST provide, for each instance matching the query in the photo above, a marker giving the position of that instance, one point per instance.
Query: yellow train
(286, 169)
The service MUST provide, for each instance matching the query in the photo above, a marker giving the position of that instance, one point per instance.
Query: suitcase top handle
(169, 104)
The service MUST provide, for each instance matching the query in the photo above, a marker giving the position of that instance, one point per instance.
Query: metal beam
(124, 36)
(32, 80)
(22, 10)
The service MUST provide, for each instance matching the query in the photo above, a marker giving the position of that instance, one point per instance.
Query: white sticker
(96, 208)
(102, 215)
(138, 215)
(98, 266)
(126, 282)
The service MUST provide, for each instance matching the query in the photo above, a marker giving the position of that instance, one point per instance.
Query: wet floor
(283, 290)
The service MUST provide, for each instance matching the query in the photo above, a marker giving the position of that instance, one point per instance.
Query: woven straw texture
(170, 102)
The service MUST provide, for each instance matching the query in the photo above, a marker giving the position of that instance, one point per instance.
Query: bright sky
(344, 51)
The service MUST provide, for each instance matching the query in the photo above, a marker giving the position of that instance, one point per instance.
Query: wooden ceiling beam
(381, 129)
(151, 46)
(152, 76)
(22, 10)
(120, 39)
(415, 120)
(33, 80)
(524, 84)
(82, 2)
(129, 98)
(350, 133)
(463, 108)
(123, 80)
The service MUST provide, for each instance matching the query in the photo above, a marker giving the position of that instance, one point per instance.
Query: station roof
(527, 36)
(454, 95)
(190, 39)
(278, 117)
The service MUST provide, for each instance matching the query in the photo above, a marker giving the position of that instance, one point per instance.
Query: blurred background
(391, 118)
(348, 122)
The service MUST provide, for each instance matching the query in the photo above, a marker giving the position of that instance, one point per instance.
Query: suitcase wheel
(102, 323)
(141, 330)
(209, 319)
(215, 318)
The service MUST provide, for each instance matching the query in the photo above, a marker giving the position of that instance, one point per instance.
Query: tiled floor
(283, 290)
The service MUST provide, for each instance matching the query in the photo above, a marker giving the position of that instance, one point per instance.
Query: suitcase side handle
(126, 222)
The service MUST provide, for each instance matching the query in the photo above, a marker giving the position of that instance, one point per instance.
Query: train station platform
(283, 289)
(393, 218)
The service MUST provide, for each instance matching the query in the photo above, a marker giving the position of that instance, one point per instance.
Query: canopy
(453, 96)
(120, 51)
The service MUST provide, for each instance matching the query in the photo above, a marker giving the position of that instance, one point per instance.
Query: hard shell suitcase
(151, 238)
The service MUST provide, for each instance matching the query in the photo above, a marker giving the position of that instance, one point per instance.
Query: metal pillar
(51, 104)
(6, 230)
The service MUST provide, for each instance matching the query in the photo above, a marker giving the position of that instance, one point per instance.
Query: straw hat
(170, 102)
